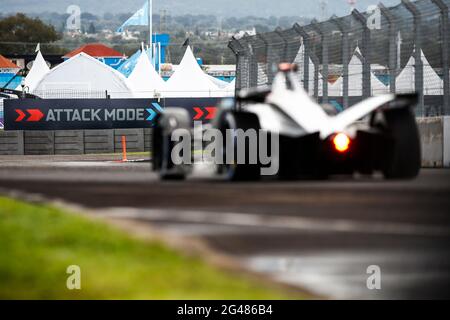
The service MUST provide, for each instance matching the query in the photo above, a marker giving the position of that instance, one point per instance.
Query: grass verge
(39, 242)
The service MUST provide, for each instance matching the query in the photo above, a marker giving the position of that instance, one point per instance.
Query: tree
(261, 28)
(19, 34)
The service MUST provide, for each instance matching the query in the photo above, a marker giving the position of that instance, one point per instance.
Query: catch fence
(343, 60)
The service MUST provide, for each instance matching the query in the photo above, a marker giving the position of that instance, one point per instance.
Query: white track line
(276, 222)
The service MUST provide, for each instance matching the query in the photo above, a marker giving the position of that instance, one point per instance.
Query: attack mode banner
(75, 114)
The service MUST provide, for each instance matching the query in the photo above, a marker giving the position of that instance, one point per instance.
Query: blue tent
(6, 77)
(128, 66)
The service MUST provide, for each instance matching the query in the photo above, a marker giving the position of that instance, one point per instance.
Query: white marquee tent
(230, 89)
(300, 61)
(144, 80)
(355, 79)
(189, 80)
(37, 72)
(219, 83)
(83, 76)
(225, 89)
(232, 84)
(432, 83)
(336, 89)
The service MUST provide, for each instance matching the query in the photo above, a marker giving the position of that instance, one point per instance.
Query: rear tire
(240, 120)
(404, 160)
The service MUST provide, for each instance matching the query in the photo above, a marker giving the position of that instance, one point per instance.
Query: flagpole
(159, 58)
(150, 22)
(399, 51)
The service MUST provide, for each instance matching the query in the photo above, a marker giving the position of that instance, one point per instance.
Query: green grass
(39, 242)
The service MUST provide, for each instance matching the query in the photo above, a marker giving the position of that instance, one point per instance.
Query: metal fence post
(366, 50)
(418, 77)
(392, 46)
(237, 48)
(266, 54)
(321, 30)
(252, 63)
(307, 49)
(444, 47)
(285, 49)
(343, 28)
(270, 72)
(316, 62)
(293, 42)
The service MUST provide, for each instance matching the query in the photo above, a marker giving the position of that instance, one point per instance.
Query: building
(223, 72)
(243, 33)
(161, 40)
(8, 70)
(100, 52)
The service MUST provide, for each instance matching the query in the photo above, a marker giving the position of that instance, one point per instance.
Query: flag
(140, 18)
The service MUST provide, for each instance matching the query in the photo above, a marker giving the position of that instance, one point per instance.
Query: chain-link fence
(71, 94)
(344, 60)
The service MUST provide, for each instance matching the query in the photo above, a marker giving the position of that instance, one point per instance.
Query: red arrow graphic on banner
(199, 113)
(211, 112)
(35, 115)
(21, 115)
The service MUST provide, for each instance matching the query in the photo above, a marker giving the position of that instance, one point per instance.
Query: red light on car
(286, 67)
(341, 142)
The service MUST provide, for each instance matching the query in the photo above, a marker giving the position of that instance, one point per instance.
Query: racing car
(379, 134)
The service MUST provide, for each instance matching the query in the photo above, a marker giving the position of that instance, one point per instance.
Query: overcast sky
(226, 8)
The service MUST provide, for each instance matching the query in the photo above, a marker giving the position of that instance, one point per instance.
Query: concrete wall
(98, 141)
(432, 140)
(69, 142)
(446, 142)
(11, 142)
(435, 139)
(39, 142)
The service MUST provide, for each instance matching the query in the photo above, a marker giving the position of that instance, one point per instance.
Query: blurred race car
(379, 134)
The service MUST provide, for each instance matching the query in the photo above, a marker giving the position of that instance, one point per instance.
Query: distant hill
(225, 8)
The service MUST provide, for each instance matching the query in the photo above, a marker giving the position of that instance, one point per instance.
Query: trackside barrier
(435, 139)
(446, 142)
(71, 142)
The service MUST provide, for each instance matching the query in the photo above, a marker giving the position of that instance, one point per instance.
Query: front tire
(229, 122)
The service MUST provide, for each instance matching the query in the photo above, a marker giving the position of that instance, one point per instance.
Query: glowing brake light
(341, 142)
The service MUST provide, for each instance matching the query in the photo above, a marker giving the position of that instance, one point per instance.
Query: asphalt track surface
(319, 235)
